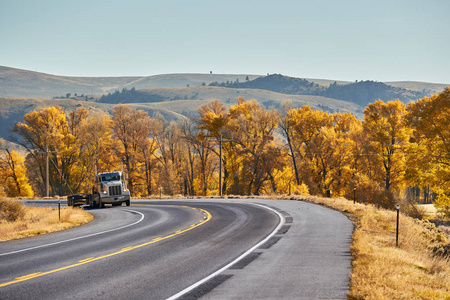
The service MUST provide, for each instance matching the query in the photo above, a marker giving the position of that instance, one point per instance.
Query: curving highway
(186, 249)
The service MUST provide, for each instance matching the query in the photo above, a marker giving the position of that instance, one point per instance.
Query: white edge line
(198, 283)
(78, 238)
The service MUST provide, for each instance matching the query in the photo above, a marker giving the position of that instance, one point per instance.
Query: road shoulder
(308, 258)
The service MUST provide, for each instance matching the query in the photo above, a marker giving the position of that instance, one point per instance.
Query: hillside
(430, 88)
(174, 104)
(361, 93)
(16, 83)
(188, 99)
(280, 84)
(365, 92)
(176, 96)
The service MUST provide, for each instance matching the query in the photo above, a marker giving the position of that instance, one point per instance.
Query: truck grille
(115, 190)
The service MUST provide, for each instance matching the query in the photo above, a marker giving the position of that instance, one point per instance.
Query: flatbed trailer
(93, 200)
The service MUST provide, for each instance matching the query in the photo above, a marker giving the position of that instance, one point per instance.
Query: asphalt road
(169, 249)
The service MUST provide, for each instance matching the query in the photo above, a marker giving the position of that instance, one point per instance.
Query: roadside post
(398, 216)
(59, 210)
(354, 195)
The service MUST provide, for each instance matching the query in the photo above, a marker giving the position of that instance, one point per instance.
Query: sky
(394, 40)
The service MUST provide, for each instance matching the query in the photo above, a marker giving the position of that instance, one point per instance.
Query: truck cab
(111, 188)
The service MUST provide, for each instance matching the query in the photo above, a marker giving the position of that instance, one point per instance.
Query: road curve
(155, 251)
(172, 248)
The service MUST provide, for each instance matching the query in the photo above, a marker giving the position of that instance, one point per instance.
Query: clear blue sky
(391, 40)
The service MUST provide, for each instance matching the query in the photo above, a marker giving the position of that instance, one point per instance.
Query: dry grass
(418, 269)
(31, 221)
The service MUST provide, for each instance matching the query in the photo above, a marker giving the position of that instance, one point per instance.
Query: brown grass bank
(419, 268)
(19, 221)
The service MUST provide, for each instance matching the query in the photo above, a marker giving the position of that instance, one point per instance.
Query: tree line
(396, 148)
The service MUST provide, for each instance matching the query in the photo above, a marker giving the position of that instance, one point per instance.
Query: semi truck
(109, 188)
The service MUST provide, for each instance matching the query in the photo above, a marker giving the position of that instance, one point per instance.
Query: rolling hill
(177, 96)
(361, 93)
(16, 83)
(176, 104)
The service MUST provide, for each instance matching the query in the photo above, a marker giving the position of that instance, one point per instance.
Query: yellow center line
(86, 260)
(207, 217)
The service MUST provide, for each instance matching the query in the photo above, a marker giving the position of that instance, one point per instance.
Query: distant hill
(278, 83)
(16, 83)
(174, 103)
(177, 96)
(365, 92)
(427, 87)
(361, 93)
(269, 99)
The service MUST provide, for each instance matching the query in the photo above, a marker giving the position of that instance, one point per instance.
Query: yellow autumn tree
(301, 126)
(214, 119)
(96, 148)
(388, 138)
(252, 129)
(131, 128)
(429, 154)
(344, 157)
(46, 132)
(13, 175)
(148, 149)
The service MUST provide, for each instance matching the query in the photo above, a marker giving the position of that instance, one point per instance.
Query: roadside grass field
(19, 221)
(419, 268)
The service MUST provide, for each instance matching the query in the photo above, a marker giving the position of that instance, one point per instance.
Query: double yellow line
(206, 218)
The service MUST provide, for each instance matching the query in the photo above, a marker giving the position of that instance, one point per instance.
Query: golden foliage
(13, 174)
(329, 153)
(430, 147)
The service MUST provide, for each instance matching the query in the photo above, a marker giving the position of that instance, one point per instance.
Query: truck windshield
(110, 177)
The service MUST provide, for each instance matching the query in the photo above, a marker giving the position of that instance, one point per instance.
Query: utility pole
(46, 172)
(220, 166)
(47, 176)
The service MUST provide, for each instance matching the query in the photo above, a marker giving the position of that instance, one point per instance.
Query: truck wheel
(95, 200)
(91, 201)
(127, 202)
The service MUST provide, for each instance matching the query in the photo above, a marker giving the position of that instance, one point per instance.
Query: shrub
(11, 210)
(442, 203)
(301, 189)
